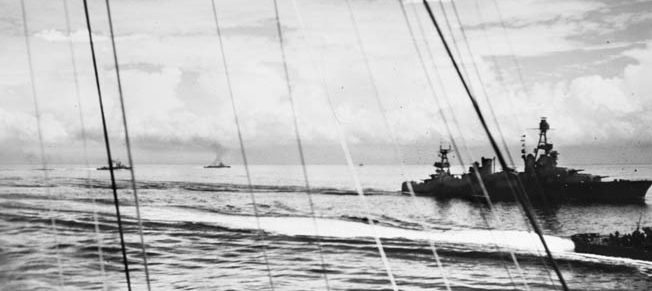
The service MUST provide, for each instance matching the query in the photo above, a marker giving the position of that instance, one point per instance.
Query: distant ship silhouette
(117, 165)
(216, 164)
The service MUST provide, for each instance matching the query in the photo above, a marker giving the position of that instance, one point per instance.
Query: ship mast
(543, 138)
(443, 166)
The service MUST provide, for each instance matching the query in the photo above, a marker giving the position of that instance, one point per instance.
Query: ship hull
(613, 251)
(584, 246)
(114, 168)
(500, 190)
(612, 191)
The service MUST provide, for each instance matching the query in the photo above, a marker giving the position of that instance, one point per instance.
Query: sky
(583, 64)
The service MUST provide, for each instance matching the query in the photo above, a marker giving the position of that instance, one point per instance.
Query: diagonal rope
(488, 101)
(85, 145)
(492, 113)
(517, 64)
(466, 148)
(392, 133)
(450, 134)
(521, 195)
(128, 143)
(449, 27)
(108, 148)
(397, 151)
(345, 148)
(433, 93)
(299, 143)
(349, 160)
(260, 233)
(358, 187)
(39, 126)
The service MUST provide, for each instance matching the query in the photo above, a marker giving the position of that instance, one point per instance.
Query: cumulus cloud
(586, 108)
(176, 94)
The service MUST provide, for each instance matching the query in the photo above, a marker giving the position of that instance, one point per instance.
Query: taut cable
(82, 123)
(128, 143)
(521, 195)
(299, 143)
(108, 148)
(260, 234)
(44, 163)
(445, 120)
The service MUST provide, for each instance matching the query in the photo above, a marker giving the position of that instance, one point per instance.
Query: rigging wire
(433, 93)
(108, 148)
(37, 113)
(483, 90)
(521, 195)
(486, 97)
(396, 148)
(491, 108)
(243, 151)
(453, 142)
(85, 144)
(298, 139)
(526, 223)
(128, 143)
(492, 112)
(449, 27)
(466, 148)
(345, 148)
(517, 64)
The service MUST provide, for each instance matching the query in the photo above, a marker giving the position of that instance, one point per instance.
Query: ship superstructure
(542, 178)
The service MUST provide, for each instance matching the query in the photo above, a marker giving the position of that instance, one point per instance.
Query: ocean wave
(335, 235)
(347, 234)
(335, 228)
(401, 237)
(94, 183)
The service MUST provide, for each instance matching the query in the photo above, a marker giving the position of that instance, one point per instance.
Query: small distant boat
(117, 165)
(217, 165)
(636, 245)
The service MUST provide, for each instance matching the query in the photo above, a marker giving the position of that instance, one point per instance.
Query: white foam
(293, 226)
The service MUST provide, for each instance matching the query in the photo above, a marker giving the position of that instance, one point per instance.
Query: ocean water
(201, 233)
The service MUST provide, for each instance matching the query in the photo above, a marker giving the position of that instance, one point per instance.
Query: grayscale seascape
(200, 234)
(325, 145)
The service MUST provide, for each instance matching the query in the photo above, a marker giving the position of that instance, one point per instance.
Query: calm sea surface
(200, 232)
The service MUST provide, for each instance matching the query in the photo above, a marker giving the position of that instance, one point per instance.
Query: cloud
(80, 35)
(586, 108)
(177, 98)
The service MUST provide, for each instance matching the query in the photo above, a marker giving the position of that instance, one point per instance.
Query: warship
(636, 245)
(541, 179)
(117, 165)
(216, 164)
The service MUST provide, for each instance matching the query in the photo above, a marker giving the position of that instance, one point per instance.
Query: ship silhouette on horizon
(216, 164)
(542, 180)
(116, 165)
